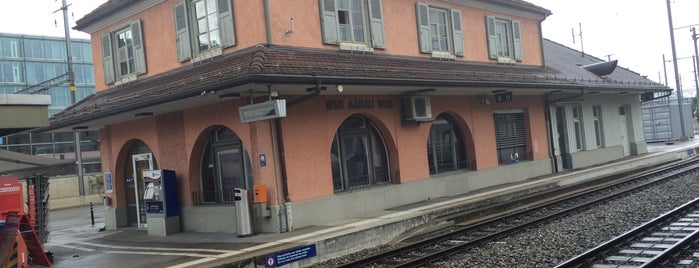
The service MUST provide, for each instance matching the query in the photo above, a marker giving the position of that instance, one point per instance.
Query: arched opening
(225, 165)
(140, 158)
(446, 150)
(358, 155)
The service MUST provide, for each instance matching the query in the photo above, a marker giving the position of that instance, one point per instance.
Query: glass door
(141, 162)
(230, 171)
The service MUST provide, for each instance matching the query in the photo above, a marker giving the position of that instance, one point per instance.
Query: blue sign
(289, 256)
(108, 184)
(154, 206)
(263, 160)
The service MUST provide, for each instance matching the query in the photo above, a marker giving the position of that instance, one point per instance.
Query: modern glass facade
(27, 60)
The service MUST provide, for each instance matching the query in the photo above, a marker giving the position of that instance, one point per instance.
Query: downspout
(268, 22)
(549, 136)
(284, 226)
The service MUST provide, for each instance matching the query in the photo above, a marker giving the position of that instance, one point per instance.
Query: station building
(340, 108)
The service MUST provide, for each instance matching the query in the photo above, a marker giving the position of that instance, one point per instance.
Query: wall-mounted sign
(263, 160)
(108, 183)
(289, 256)
(262, 111)
(503, 97)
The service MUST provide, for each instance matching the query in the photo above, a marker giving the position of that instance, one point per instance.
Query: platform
(76, 243)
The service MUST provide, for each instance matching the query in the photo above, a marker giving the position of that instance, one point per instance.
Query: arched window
(224, 167)
(358, 156)
(445, 146)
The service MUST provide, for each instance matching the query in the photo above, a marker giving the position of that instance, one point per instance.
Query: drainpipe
(268, 22)
(549, 136)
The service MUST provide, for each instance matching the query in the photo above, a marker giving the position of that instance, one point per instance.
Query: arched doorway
(225, 165)
(141, 158)
(358, 155)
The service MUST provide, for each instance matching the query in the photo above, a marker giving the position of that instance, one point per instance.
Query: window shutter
(492, 43)
(378, 38)
(107, 59)
(138, 49)
(328, 21)
(458, 34)
(509, 130)
(517, 37)
(423, 28)
(225, 23)
(184, 45)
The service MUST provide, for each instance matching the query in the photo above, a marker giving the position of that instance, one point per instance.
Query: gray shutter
(517, 37)
(328, 21)
(490, 29)
(509, 130)
(378, 38)
(184, 45)
(457, 32)
(138, 48)
(107, 59)
(225, 23)
(423, 27)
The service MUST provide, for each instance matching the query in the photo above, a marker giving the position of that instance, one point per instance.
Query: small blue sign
(263, 160)
(154, 206)
(289, 256)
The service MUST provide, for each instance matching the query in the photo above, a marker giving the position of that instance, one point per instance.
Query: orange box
(260, 193)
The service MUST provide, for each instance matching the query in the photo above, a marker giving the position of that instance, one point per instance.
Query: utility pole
(677, 75)
(696, 67)
(71, 84)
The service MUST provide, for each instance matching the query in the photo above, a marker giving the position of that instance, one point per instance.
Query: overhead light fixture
(499, 91)
(593, 92)
(340, 88)
(141, 114)
(427, 90)
(80, 128)
(556, 91)
(311, 89)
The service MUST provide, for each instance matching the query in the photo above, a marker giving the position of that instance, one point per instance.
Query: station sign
(262, 111)
(503, 97)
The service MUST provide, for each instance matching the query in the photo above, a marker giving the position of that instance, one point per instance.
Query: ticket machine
(162, 202)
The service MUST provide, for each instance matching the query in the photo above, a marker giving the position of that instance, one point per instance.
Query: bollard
(92, 215)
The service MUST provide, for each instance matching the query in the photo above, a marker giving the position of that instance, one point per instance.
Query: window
(358, 156)
(224, 167)
(354, 24)
(123, 54)
(504, 39)
(445, 146)
(439, 31)
(597, 119)
(212, 28)
(510, 136)
(577, 125)
(9, 47)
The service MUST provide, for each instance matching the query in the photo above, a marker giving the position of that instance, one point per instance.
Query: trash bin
(243, 212)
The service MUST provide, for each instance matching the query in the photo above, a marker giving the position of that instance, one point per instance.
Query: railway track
(460, 238)
(654, 244)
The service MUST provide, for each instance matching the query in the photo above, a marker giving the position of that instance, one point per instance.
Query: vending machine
(162, 202)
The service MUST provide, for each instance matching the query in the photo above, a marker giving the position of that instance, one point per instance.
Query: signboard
(503, 97)
(289, 256)
(261, 111)
(108, 183)
(263, 160)
(154, 206)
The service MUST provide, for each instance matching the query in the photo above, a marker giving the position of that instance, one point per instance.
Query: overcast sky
(636, 32)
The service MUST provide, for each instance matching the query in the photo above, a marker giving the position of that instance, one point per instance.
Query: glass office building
(27, 60)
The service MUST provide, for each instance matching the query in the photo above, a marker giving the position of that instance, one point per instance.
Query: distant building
(27, 60)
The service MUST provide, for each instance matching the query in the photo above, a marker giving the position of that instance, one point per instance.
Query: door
(562, 142)
(229, 168)
(135, 204)
(623, 130)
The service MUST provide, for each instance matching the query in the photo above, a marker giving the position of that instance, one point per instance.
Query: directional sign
(503, 97)
(261, 111)
(289, 256)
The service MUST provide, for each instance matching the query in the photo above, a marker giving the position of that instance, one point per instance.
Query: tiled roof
(282, 64)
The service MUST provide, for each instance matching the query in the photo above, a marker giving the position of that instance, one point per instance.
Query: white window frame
(578, 127)
(14, 51)
(122, 53)
(372, 24)
(504, 39)
(597, 122)
(111, 54)
(188, 32)
(453, 34)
